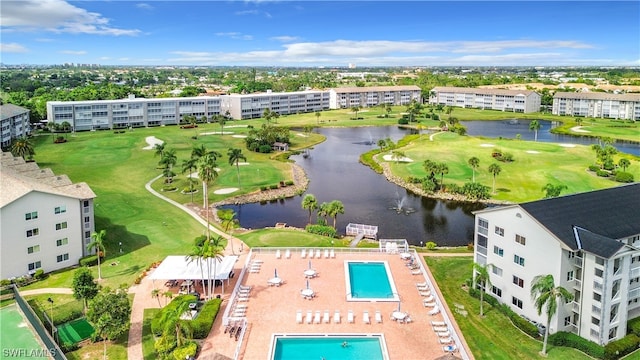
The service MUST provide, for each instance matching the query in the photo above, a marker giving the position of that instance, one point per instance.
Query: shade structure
(176, 267)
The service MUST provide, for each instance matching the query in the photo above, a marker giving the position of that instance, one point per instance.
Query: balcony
(597, 286)
(575, 306)
(577, 261)
(577, 284)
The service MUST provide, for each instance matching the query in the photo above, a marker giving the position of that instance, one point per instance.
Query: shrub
(90, 260)
(414, 180)
(321, 230)
(563, 338)
(476, 191)
(594, 168)
(203, 322)
(165, 345)
(619, 348)
(187, 351)
(254, 146)
(273, 186)
(403, 121)
(609, 165)
(288, 182)
(265, 149)
(264, 187)
(602, 173)
(156, 326)
(39, 274)
(5, 282)
(431, 245)
(517, 320)
(633, 326)
(624, 177)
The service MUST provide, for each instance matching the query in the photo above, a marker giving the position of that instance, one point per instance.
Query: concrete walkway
(46, 291)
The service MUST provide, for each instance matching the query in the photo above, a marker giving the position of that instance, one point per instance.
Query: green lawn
(287, 238)
(65, 307)
(148, 340)
(492, 337)
(535, 165)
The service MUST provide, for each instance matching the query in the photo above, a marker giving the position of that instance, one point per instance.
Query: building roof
(596, 96)
(463, 90)
(9, 110)
(601, 217)
(18, 178)
(377, 89)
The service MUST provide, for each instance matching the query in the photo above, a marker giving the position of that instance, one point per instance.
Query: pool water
(370, 281)
(328, 348)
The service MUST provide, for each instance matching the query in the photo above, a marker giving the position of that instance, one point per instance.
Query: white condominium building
(251, 106)
(46, 221)
(347, 97)
(597, 105)
(589, 242)
(522, 101)
(14, 123)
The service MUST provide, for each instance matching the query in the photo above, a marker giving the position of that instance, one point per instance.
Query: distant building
(589, 242)
(46, 221)
(14, 123)
(522, 101)
(251, 106)
(347, 97)
(597, 105)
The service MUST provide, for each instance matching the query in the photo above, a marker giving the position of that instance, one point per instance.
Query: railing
(575, 306)
(481, 249)
(597, 285)
(635, 272)
(577, 261)
(577, 284)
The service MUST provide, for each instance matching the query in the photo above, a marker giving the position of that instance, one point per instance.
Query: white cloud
(12, 48)
(144, 6)
(73, 52)
(56, 16)
(284, 38)
(234, 35)
(247, 12)
(44, 40)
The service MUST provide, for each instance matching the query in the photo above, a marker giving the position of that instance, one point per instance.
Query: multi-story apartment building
(130, 112)
(589, 242)
(522, 101)
(46, 221)
(347, 97)
(14, 123)
(251, 106)
(597, 105)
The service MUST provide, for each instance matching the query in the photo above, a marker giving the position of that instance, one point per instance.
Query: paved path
(46, 291)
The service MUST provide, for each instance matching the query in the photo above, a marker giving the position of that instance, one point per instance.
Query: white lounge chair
(316, 319)
(326, 253)
(311, 253)
(299, 317)
(241, 306)
(428, 298)
(416, 272)
(408, 319)
(422, 284)
(242, 298)
(318, 254)
(449, 348)
(446, 340)
(278, 255)
(332, 253)
(350, 317)
(365, 317)
(326, 318)
(309, 318)
(438, 323)
(426, 294)
(443, 334)
(287, 254)
(434, 311)
(378, 317)
(429, 304)
(242, 287)
(303, 253)
(336, 317)
(440, 328)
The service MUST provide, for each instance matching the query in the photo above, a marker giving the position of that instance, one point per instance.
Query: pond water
(368, 198)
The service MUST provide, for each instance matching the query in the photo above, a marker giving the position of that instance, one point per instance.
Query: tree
(309, 202)
(167, 295)
(84, 287)
(604, 154)
(495, 170)
(624, 164)
(97, 243)
(23, 147)
(156, 294)
(228, 218)
(213, 251)
(442, 169)
(168, 160)
(159, 149)
(323, 211)
(207, 173)
(545, 293)
(196, 255)
(188, 165)
(355, 110)
(397, 155)
(335, 207)
(474, 162)
(235, 155)
(552, 191)
(382, 144)
(318, 117)
(222, 121)
(173, 324)
(482, 280)
(534, 125)
(109, 313)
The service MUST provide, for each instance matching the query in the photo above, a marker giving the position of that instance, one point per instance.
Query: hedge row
(321, 230)
(201, 325)
(90, 260)
(563, 338)
(517, 320)
(619, 348)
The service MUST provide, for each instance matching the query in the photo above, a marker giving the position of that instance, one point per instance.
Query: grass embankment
(535, 164)
(148, 340)
(615, 129)
(493, 336)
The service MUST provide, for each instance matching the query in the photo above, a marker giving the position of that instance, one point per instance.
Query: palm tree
(481, 277)
(23, 147)
(156, 294)
(494, 169)
(397, 155)
(442, 169)
(309, 202)
(474, 162)
(167, 295)
(381, 144)
(318, 117)
(235, 155)
(222, 121)
(199, 151)
(159, 149)
(188, 165)
(535, 126)
(173, 324)
(323, 211)
(213, 250)
(388, 109)
(207, 173)
(97, 243)
(624, 164)
(545, 293)
(168, 160)
(335, 207)
(355, 110)
(196, 255)
(228, 218)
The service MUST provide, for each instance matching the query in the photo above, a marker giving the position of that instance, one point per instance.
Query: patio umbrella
(275, 273)
(398, 306)
(307, 283)
(309, 264)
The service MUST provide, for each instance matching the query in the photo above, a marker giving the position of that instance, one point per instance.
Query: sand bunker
(235, 126)
(152, 141)
(194, 175)
(487, 145)
(302, 135)
(391, 158)
(579, 129)
(217, 133)
(225, 191)
(568, 145)
(533, 152)
(239, 136)
(243, 163)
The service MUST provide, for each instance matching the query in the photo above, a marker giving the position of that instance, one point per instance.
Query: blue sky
(320, 33)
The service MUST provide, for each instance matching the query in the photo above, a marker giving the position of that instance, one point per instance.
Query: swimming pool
(369, 281)
(328, 346)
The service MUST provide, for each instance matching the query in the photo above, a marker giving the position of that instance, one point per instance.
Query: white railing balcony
(635, 293)
(577, 284)
(635, 271)
(481, 249)
(597, 286)
(596, 310)
(575, 306)
(577, 261)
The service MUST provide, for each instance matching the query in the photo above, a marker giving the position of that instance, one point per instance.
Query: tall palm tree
(174, 326)
(481, 277)
(168, 160)
(355, 110)
(97, 243)
(397, 155)
(381, 144)
(624, 164)
(222, 121)
(228, 218)
(442, 169)
(188, 165)
(545, 293)
(309, 202)
(23, 147)
(213, 252)
(235, 155)
(534, 125)
(196, 255)
(318, 117)
(207, 173)
(495, 170)
(335, 207)
(323, 211)
(159, 149)
(474, 162)
(156, 294)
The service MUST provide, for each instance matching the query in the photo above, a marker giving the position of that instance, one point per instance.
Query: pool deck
(272, 310)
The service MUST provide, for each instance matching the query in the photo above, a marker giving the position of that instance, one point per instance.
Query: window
(33, 249)
(87, 234)
(499, 231)
(85, 203)
(63, 257)
(599, 260)
(571, 254)
(482, 241)
(496, 270)
(595, 320)
(597, 297)
(86, 219)
(518, 281)
(496, 291)
(521, 239)
(62, 225)
(60, 209)
(613, 332)
(31, 215)
(567, 321)
(35, 265)
(498, 251)
(517, 302)
(483, 226)
(598, 272)
(518, 260)
(61, 242)
(33, 232)
(570, 276)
